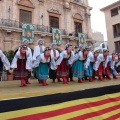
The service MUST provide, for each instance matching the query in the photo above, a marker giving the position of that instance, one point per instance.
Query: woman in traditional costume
(101, 65)
(106, 65)
(3, 62)
(88, 65)
(43, 64)
(64, 62)
(112, 60)
(78, 65)
(21, 65)
(118, 63)
(54, 55)
(29, 51)
(97, 68)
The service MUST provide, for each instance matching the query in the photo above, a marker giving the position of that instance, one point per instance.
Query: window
(114, 12)
(117, 46)
(103, 45)
(25, 16)
(78, 28)
(116, 30)
(54, 22)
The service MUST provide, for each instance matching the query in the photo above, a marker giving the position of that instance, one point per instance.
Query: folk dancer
(78, 65)
(54, 55)
(97, 68)
(118, 63)
(101, 67)
(3, 62)
(21, 64)
(88, 65)
(111, 60)
(64, 62)
(37, 51)
(26, 43)
(70, 67)
(42, 63)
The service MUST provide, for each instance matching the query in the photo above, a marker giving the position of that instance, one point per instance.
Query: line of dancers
(48, 62)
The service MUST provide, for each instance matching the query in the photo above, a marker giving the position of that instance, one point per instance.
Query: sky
(97, 17)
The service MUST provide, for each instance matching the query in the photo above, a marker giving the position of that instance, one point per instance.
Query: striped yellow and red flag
(91, 104)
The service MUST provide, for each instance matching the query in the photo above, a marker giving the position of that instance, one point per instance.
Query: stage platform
(12, 89)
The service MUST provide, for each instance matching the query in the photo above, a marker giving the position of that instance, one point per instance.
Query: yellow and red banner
(92, 104)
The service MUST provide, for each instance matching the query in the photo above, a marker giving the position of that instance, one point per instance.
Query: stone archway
(78, 16)
(27, 3)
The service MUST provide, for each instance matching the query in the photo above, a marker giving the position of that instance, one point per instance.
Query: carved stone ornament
(53, 10)
(67, 4)
(27, 3)
(77, 16)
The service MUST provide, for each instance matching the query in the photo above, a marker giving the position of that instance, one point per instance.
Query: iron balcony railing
(76, 35)
(78, 1)
(16, 24)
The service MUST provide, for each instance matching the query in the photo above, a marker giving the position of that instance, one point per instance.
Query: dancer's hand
(30, 70)
(10, 71)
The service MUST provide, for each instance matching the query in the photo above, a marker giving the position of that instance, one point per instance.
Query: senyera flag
(91, 104)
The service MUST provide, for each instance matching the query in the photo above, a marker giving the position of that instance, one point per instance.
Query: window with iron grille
(117, 46)
(114, 12)
(116, 30)
(78, 28)
(54, 22)
(25, 16)
(103, 45)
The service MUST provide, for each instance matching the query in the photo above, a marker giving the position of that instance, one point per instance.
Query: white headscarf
(24, 40)
(39, 40)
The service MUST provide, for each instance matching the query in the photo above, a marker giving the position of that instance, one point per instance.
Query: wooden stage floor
(12, 89)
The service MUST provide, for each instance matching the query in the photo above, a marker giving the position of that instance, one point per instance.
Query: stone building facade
(112, 18)
(71, 16)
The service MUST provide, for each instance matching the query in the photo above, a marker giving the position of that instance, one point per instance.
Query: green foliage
(9, 55)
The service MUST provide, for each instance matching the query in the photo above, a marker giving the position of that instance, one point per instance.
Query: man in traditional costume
(39, 49)
(54, 55)
(3, 62)
(70, 68)
(21, 64)
(78, 65)
(64, 62)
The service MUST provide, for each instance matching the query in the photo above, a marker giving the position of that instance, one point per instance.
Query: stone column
(67, 16)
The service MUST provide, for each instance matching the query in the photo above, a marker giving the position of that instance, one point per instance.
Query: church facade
(70, 16)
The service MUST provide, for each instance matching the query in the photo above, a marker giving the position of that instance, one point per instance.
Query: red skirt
(20, 72)
(63, 70)
(107, 70)
(100, 70)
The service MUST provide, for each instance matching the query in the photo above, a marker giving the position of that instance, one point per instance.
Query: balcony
(12, 24)
(81, 2)
(7, 23)
(76, 35)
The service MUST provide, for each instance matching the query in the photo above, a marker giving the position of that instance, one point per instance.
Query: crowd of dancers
(48, 62)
